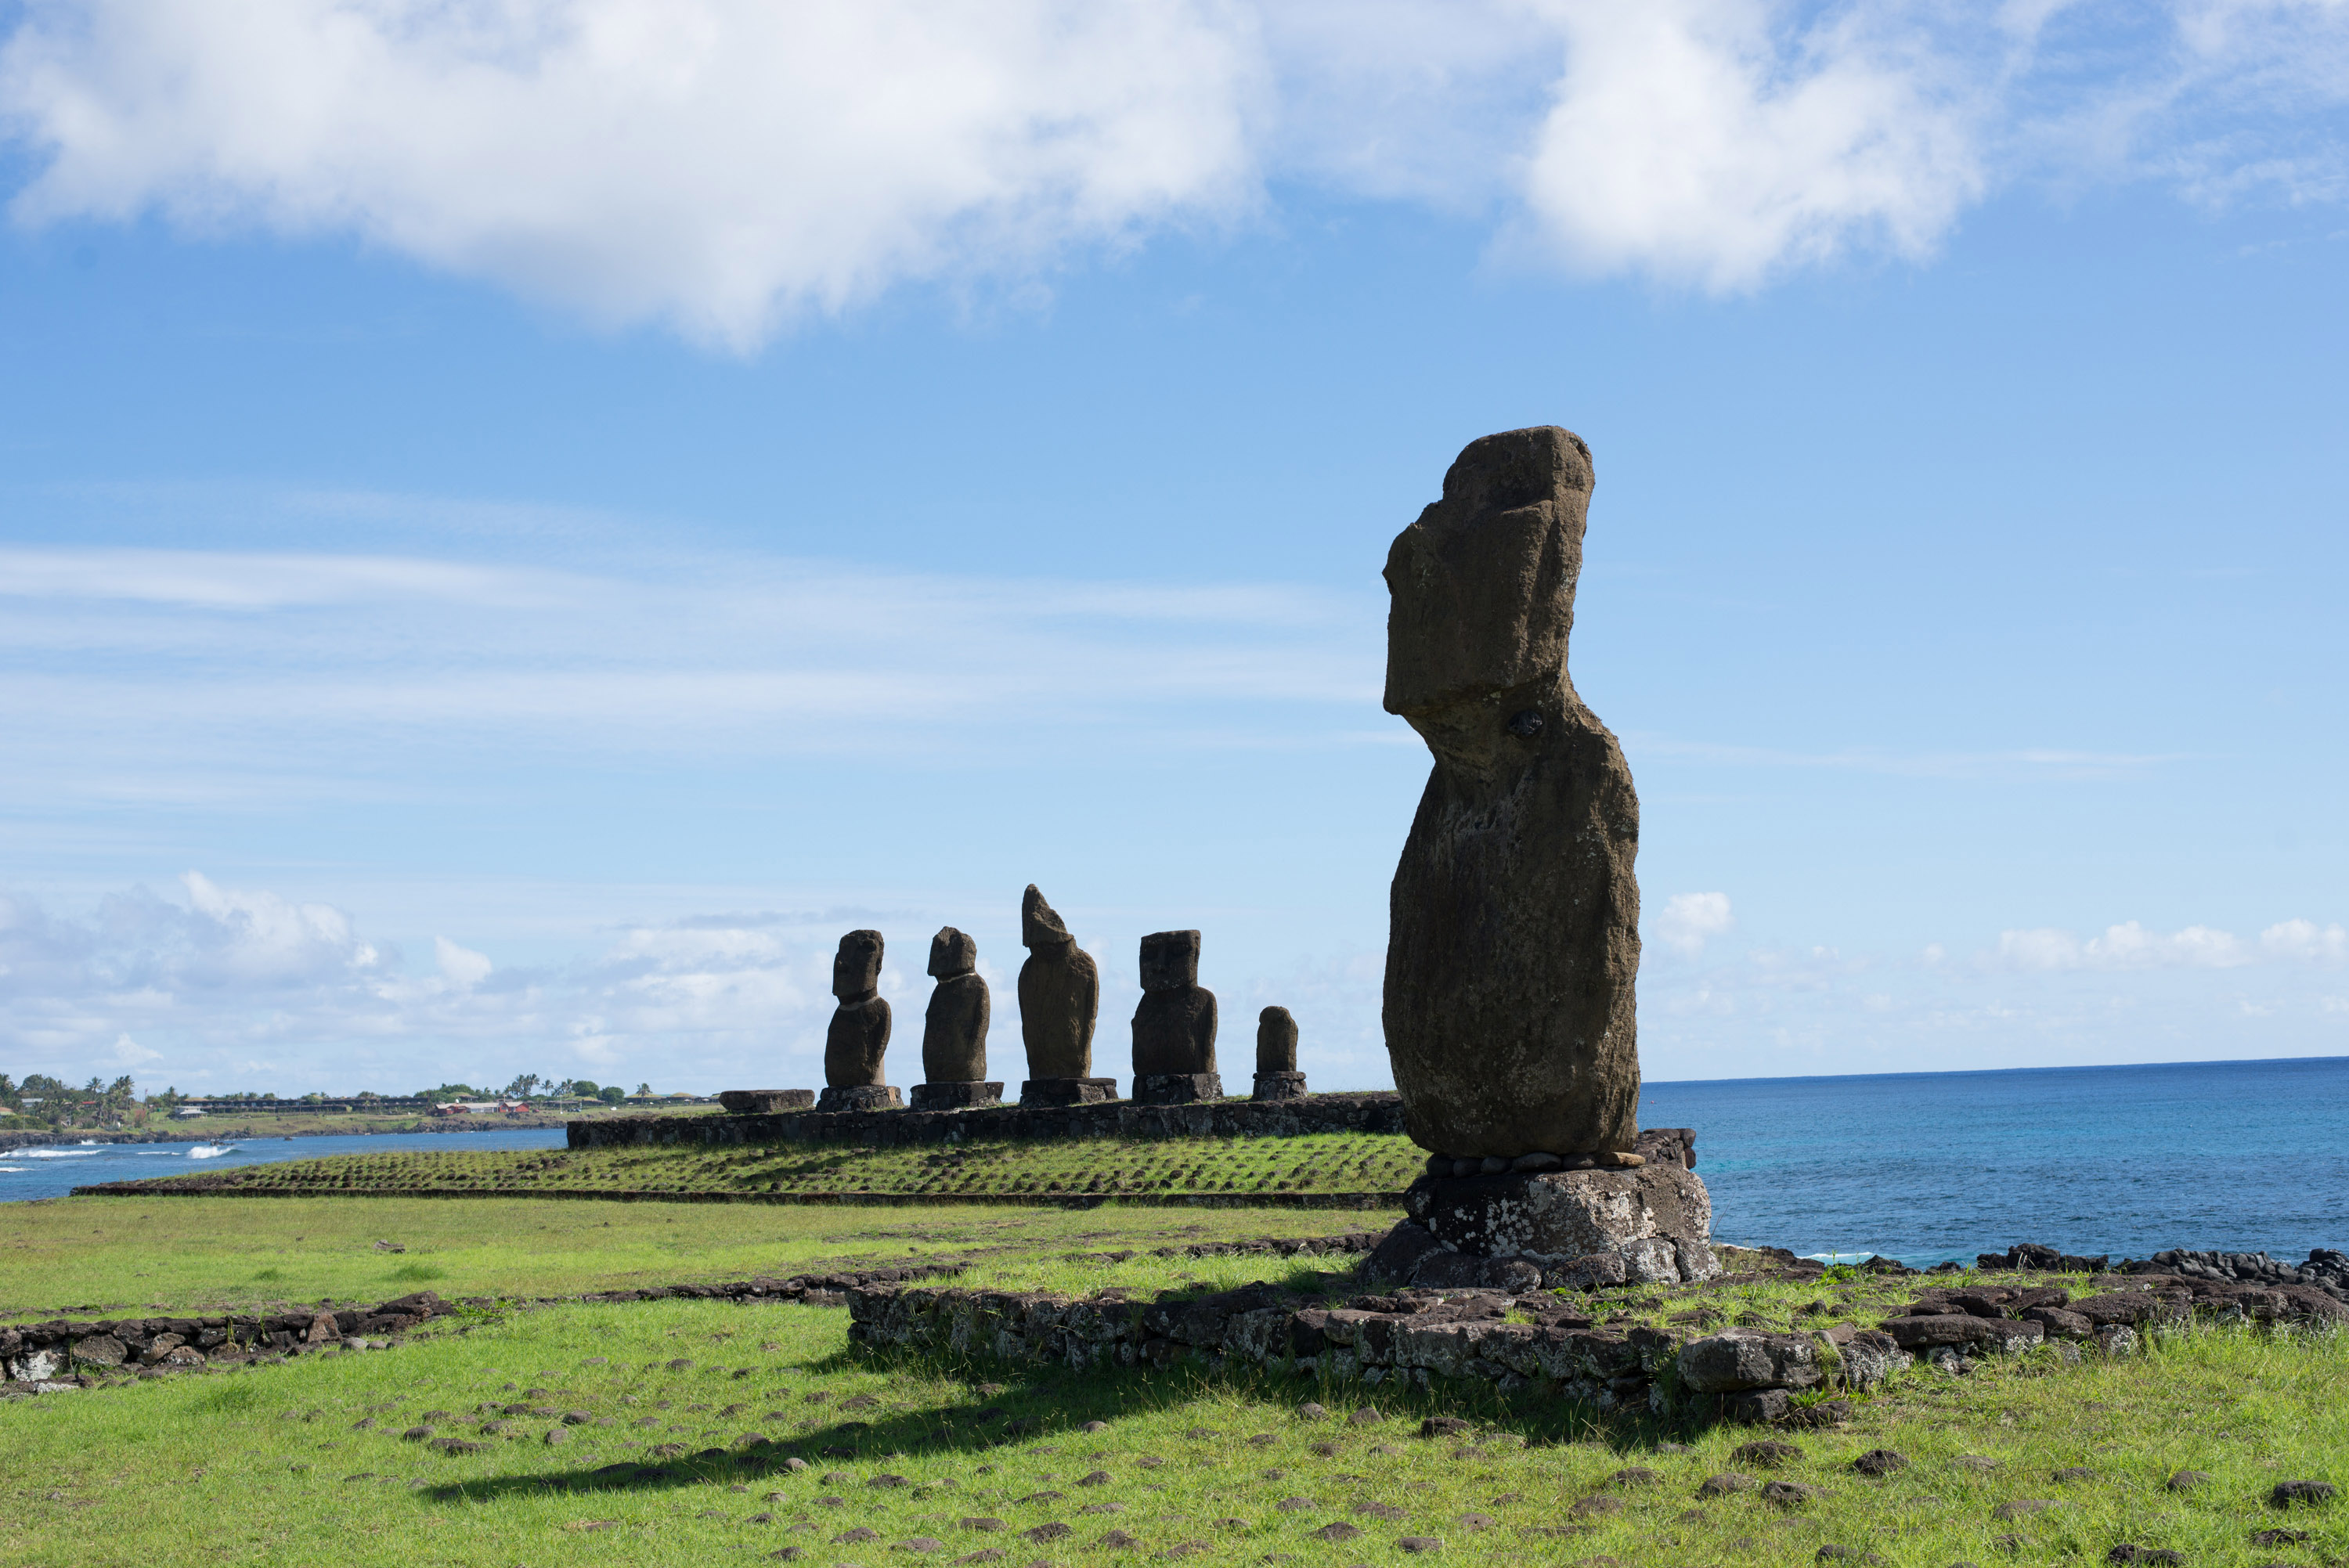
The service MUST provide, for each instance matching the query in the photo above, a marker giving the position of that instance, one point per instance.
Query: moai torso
(1175, 1027)
(1275, 1041)
(859, 1035)
(1060, 995)
(954, 1030)
(1513, 943)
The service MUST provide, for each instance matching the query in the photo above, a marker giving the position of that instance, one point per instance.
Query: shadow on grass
(1017, 1406)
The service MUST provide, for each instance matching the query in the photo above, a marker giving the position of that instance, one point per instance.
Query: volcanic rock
(1513, 918)
(1060, 995)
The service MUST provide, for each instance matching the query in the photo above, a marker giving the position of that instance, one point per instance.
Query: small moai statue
(1175, 1027)
(1060, 1000)
(1277, 1077)
(859, 1035)
(954, 1031)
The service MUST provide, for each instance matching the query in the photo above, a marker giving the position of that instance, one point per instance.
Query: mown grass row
(306, 1463)
(1340, 1162)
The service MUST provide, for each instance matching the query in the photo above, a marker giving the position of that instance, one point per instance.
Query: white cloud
(2127, 946)
(461, 967)
(2304, 939)
(130, 1053)
(730, 166)
(1692, 138)
(1691, 918)
(723, 164)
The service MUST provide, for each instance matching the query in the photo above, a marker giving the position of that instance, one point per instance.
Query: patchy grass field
(1378, 1164)
(93, 1255)
(306, 1463)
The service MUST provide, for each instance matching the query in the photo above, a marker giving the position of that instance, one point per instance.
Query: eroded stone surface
(1656, 1220)
(859, 1035)
(1060, 995)
(1513, 936)
(954, 1029)
(1174, 1023)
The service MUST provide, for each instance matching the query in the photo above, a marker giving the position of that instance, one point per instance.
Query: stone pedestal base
(955, 1096)
(1067, 1090)
(1279, 1086)
(1573, 1228)
(764, 1101)
(1177, 1089)
(861, 1097)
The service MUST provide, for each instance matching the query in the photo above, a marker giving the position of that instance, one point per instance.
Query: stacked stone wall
(1368, 1112)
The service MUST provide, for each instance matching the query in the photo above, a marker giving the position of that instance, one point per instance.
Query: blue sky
(520, 522)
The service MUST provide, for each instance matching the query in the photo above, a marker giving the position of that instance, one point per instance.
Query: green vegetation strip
(1314, 1170)
(651, 1408)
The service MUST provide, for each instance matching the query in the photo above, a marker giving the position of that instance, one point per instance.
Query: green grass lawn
(96, 1255)
(1312, 1163)
(303, 1463)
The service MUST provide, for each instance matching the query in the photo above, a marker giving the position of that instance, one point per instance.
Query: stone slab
(1177, 1089)
(956, 1096)
(861, 1097)
(1279, 1086)
(1068, 1091)
(765, 1101)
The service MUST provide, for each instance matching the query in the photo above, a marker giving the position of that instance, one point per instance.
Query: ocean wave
(208, 1151)
(15, 1168)
(82, 1153)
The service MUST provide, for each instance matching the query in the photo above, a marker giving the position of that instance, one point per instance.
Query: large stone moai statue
(859, 1035)
(1277, 1077)
(954, 1030)
(1514, 941)
(1060, 1000)
(1175, 1025)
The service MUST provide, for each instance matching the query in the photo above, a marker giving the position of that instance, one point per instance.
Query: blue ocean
(1923, 1167)
(54, 1170)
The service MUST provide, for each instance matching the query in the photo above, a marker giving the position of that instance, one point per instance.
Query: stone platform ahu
(1514, 944)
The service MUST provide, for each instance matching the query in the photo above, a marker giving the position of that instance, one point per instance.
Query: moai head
(1482, 587)
(952, 953)
(1040, 929)
(857, 967)
(1170, 961)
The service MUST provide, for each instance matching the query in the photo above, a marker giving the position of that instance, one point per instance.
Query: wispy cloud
(732, 167)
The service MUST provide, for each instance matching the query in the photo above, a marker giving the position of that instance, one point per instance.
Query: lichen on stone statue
(1514, 941)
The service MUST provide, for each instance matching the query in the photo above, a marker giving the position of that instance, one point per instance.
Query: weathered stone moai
(859, 1035)
(1513, 942)
(1060, 1001)
(1175, 1025)
(1277, 1077)
(954, 1030)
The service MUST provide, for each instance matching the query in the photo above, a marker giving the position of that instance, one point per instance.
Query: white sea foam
(83, 1153)
(207, 1150)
